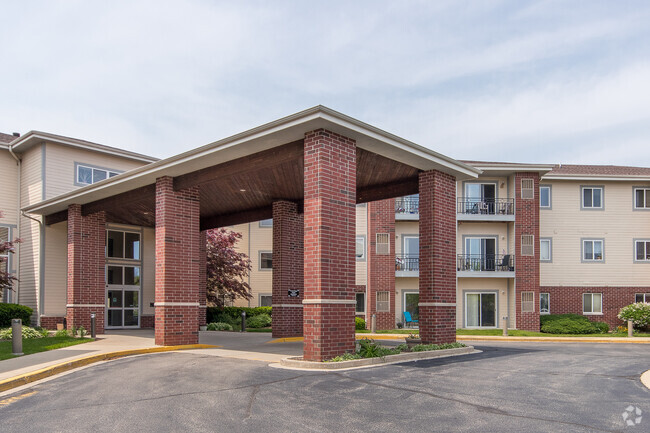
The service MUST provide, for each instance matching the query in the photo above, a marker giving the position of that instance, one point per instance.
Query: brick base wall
(564, 300)
(328, 331)
(50, 322)
(80, 316)
(147, 321)
(287, 321)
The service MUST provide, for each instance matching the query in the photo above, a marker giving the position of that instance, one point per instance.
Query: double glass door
(122, 296)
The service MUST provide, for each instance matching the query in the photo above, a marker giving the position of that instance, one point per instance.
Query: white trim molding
(330, 301)
(176, 304)
(287, 305)
(85, 305)
(437, 304)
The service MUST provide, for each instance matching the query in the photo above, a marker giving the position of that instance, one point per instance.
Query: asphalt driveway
(510, 387)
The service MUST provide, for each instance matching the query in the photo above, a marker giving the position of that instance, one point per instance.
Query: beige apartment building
(531, 239)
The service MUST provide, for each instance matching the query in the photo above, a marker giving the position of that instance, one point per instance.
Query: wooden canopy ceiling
(243, 190)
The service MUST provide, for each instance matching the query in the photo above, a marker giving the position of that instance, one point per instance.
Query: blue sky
(547, 81)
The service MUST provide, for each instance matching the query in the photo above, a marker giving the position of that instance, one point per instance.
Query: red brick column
(330, 200)
(437, 257)
(86, 268)
(381, 267)
(203, 277)
(287, 270)
(527, 267)
(177, 264)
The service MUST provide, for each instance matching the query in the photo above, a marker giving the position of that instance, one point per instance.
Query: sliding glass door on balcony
(480, 254)
(409, 260)
(480, 310)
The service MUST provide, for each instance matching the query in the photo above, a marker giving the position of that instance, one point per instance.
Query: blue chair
(408, 319)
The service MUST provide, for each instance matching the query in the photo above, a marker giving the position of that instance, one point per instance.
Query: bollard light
(373, 323)
(92, 325)
(630, 329)
(243, 321)
(505, 326)
(16, 337)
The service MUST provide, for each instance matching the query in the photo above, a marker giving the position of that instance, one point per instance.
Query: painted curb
(357, 336)
(620, 340)
(298, 363)
(24, 379)
(645, 379)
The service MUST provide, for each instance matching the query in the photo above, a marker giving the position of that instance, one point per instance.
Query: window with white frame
(642, 297)
(641, 198)
(592, 303)
(360, 307)
(642, 250)
(544, 303)
(592, 250)
(267, 223)
(266, 300)
(545, 250)
(266, 260)
(545, 196)
(360, 248)
(592, 197)
(87, 174)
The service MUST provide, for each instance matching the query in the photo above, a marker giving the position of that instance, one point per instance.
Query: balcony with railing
(485, 265)
(407, 266)
(493, 209)
(407, 208)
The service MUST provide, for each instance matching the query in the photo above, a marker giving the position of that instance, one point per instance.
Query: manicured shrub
(545, 318)
(602, 327)
(259, 321)
(638, 313)
(359, 323)
(569, 325)
(214, 313)
(219, 326)
(6, 334)
(14, 311)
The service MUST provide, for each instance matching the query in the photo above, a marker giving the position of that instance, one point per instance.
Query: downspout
(20, 166)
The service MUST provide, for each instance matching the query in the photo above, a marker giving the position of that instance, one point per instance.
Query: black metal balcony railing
(407, 205)
(493, 206)
(407, 263)
(486, 263)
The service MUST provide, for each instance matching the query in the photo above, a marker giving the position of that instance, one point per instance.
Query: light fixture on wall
(502, 184)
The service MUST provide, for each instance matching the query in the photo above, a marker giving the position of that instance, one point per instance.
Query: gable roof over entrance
(240, 176)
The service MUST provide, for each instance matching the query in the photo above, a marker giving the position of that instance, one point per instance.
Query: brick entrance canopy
(437, 257)
(177, 264)
(288, 281)
(330, 200)
(527, 266)
(381, 263)
(86, 264)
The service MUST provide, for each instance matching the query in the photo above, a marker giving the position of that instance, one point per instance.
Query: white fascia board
(599, 178)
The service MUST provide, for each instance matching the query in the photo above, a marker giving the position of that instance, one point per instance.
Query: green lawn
(36, 345)
(517, 333)
(511, 332)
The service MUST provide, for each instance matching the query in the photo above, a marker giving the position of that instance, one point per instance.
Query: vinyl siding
(9, 190)
(404, 228)
(31, 192)
(618, 224)
(498, 229)
(56, 266)
(60, 166)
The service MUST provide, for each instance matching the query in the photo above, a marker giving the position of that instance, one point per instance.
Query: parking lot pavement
(509, 387)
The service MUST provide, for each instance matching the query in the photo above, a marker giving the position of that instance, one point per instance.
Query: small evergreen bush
(569, 325)
(359, 323)
(14, 311)
(219, 326)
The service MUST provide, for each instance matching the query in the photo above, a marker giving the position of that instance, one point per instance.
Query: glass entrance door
(480, 310)
(411, 301)
(122, 296)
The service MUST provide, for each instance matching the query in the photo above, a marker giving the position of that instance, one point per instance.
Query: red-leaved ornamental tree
(6, 248)
(227, 269)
